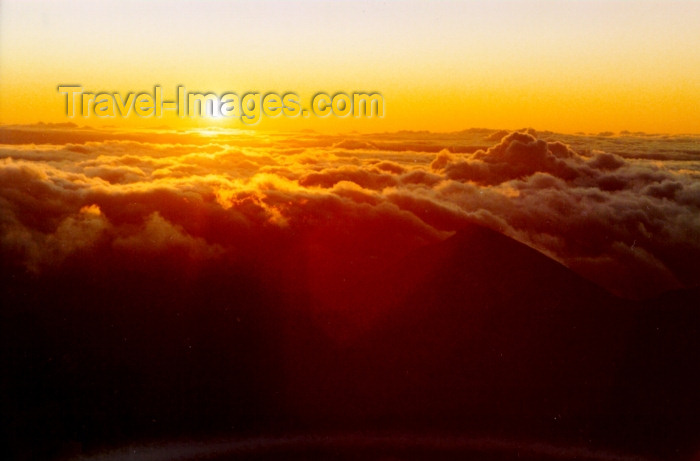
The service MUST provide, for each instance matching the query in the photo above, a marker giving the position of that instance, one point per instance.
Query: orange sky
(564, 66)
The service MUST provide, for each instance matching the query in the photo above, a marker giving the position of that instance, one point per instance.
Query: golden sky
(566, 66)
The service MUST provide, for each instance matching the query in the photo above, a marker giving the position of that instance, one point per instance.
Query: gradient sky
(566, 66)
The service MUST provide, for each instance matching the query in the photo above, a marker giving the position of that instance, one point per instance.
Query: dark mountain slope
(477, 334)
(481, 332)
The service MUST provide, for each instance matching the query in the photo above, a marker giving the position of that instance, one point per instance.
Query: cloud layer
(621, 210)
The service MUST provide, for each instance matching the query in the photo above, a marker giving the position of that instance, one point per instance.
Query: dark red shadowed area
(342, 334)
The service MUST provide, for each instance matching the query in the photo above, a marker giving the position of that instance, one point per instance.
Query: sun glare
(208, 132)
(213, 110)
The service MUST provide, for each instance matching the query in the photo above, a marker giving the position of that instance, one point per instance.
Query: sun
(213, 110)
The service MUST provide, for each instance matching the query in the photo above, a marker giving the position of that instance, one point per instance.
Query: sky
(566, 66)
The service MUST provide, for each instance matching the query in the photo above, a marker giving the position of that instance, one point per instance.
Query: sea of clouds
(620, 209)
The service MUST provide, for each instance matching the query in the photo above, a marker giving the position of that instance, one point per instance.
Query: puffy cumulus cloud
(158, 235)
(79, 231)
(623, 222)
(326, 210)
(517, 155)
(369, 178)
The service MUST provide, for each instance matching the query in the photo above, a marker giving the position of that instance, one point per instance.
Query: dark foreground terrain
(476, 335)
